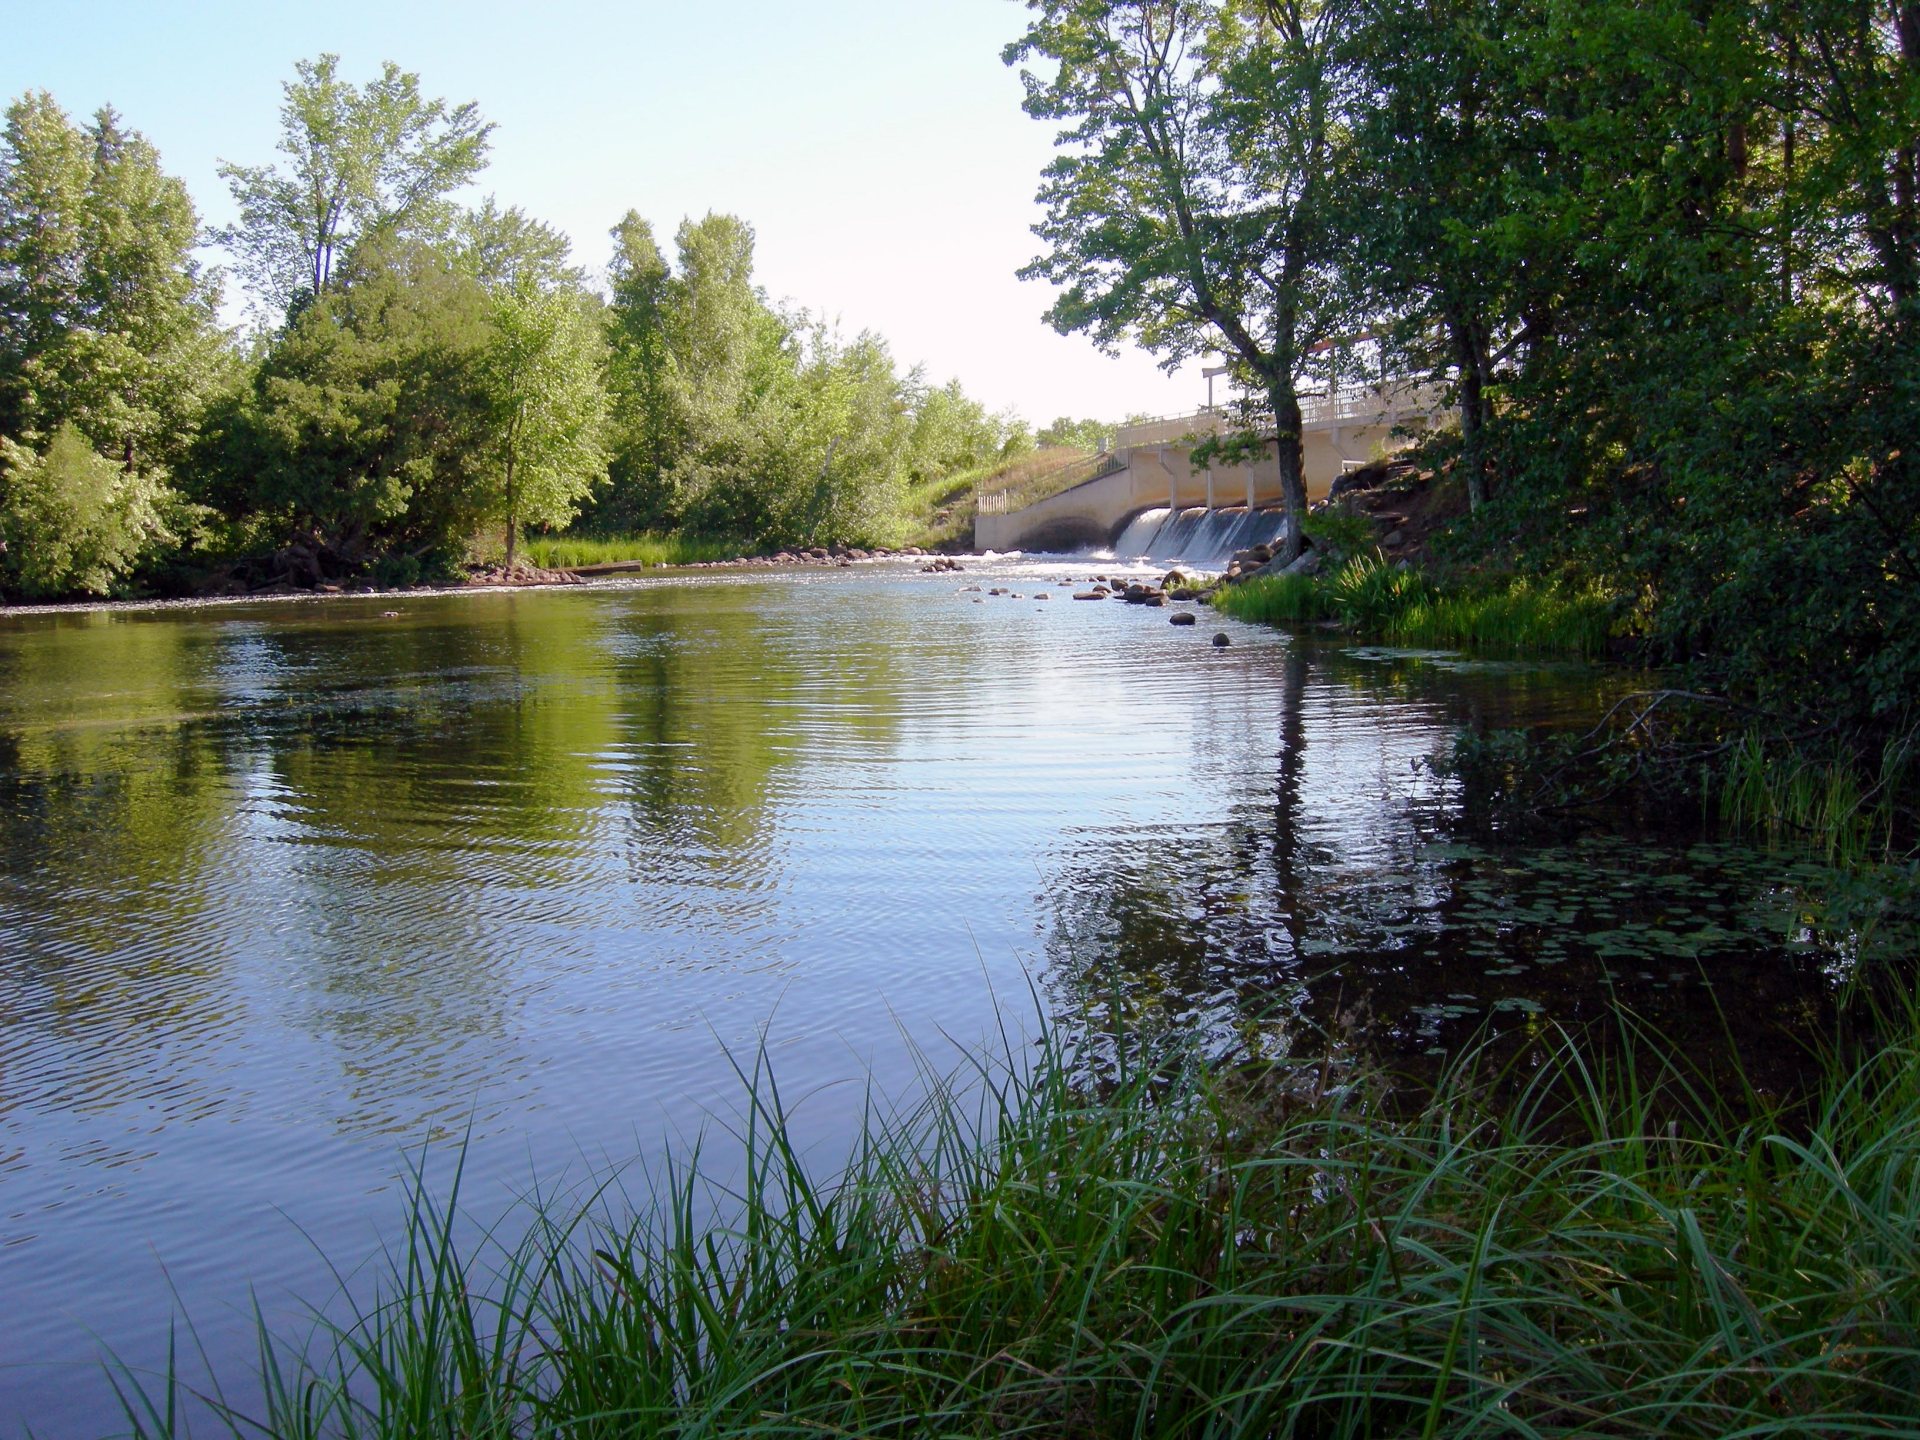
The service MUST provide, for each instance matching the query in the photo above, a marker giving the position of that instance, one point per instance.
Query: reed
(1190, 1250)
(1852, 812)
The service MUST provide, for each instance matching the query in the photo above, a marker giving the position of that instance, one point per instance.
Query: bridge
(1150, 464)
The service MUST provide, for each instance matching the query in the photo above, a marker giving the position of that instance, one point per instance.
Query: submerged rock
(1222, 639)
(1183, 617)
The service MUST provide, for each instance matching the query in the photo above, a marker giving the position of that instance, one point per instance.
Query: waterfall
(1197, 535)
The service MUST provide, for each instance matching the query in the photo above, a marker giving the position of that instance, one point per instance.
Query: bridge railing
(1362, 404)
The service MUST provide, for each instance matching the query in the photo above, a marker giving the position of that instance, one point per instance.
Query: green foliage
(368, 428)
(72, 522)
(1276, 599)
(106, 319)
(1338, 532)
(1673, 253)
(737, 420)
(1067, 433)
(359, 159)
(546, 406)
(1295, 1249)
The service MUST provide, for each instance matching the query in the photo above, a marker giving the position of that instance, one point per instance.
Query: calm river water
(289, 889)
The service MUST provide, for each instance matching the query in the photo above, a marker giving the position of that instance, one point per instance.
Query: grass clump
(1191, 1251)
(1514, 617)
(1379, 600)
(1277, 600)
(566, 552)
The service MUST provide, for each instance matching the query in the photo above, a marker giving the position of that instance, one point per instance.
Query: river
(290, 890)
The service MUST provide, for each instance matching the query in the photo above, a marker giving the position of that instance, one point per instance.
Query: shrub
(72, 521)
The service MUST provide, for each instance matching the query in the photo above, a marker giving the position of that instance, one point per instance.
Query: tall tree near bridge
(1201, 144)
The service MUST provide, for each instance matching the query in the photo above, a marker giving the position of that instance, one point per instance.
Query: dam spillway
(1197, 535)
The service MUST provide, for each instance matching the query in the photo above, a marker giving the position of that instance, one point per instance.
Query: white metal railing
(1374, 404)
(1167, 428)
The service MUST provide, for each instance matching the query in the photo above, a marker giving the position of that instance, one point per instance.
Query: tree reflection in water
(1259, 939)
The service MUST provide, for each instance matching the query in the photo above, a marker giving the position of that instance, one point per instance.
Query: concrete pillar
(1209, 487)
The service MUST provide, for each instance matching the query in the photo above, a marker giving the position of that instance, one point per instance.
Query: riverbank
(1587, 1240)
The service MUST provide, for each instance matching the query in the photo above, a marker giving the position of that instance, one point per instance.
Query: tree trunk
(1292, 459)
(1469, 357)
(513, 522)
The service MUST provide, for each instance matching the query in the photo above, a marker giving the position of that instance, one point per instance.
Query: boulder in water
(1222, 639)
(1183, 617)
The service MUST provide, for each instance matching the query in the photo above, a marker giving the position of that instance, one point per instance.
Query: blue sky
(877, 146)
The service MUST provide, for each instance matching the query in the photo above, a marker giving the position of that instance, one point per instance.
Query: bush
(73, 522)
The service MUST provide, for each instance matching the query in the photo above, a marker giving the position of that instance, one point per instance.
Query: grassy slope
(940, 513)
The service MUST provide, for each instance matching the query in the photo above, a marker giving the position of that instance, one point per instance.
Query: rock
(1157, 599)
(1175, 580)
(1183, 617)
(1100, 590)
(1089, 594)
(389, 614)
(1310, 563)
(969, 589)
(1395, 539)
(1043, 595)
(1222, 639)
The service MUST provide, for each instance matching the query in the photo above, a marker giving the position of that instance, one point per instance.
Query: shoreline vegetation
(1584, 1238)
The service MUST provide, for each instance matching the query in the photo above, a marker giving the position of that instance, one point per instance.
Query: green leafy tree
(362, 441)
(1453, 131)
(106, 319)
(648, 425)
(379, 156)
(1077, 434)
(1201, 144)
(505, 248)
(72, 521)
(547, 407)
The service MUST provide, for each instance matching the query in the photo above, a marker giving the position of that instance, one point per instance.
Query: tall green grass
(564, 552)
(1517, 618)
(1381, 601)
(1190, 1251)
(1847, 810)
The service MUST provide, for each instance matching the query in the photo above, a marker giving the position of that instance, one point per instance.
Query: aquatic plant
(1282, 1250)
